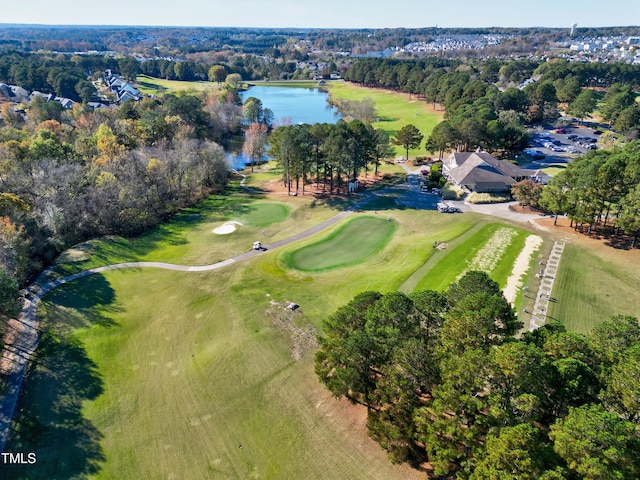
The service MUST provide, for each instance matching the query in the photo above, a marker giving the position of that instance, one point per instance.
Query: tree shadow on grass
(59, 379)
(82, 303)
(49, 421)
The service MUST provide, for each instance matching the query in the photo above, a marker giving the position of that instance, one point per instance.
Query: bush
(451, 192)
(476, 197)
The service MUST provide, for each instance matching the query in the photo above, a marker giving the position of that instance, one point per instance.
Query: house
(5, 91)
(66, 103)
(13, 93)
(120, 88)
(47, 96)
(481, 172)
(95, 105)
(19, 93)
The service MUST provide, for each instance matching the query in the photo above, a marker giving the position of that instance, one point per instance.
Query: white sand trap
(74, 255)
(226, 228)
(520, 267)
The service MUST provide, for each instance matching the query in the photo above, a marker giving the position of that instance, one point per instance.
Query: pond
(290, 105)
(296, 105)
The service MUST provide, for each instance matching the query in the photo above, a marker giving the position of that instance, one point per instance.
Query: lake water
(294, 105)
(300, 105)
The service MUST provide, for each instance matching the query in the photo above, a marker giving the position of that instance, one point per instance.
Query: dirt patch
(13, 328)
(523, 209)
(602, 242)
(316, 190)
(74, 255)
(285, 320)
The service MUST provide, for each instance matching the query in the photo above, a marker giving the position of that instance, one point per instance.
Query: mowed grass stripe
(451, 262)
(394, 110)
(349, 244)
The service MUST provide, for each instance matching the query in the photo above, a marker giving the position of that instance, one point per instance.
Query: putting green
(348, 245)
(264, 214)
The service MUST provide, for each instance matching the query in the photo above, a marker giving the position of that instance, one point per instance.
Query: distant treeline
(471, 97)
(190, 40)
(410, 75)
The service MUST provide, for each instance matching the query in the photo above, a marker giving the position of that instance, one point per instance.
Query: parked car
(573, 138)
(560, 130)
(535, 154)
(597, 132)
(591, 146)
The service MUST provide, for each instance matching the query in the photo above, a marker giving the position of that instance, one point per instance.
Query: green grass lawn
(147, 373)
(264, 214)
(173, 372)
(554, 170)
(157, 86)
(591, 288)
(349, 244)
(394, 110)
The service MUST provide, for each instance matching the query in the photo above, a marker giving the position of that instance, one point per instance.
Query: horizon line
(124, 25)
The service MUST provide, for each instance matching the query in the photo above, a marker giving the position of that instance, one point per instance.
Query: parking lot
(559, 147)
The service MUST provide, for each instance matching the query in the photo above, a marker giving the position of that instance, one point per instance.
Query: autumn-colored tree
(255, 141)
(527, 192)
(217, 73)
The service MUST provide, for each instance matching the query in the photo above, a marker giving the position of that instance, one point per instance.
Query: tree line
(599, 189)
(471, 98)
(88, 173)
(445, 381)
(333, 154)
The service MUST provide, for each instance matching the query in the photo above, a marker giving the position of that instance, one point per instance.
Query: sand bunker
(520, 267)
(226, 228)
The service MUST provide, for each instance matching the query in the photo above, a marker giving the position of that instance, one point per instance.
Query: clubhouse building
(483, 173)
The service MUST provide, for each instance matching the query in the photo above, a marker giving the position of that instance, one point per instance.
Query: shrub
(476, 197)
(451, 192)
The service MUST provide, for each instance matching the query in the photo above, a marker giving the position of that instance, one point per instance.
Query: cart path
(15, 356)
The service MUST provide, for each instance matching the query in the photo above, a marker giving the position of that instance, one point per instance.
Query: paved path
(19, 352)
(547, 279)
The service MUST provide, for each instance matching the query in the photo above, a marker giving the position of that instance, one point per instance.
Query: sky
(327, 13)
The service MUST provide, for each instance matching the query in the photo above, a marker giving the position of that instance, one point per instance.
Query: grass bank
(156, 86)
(394, 110)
